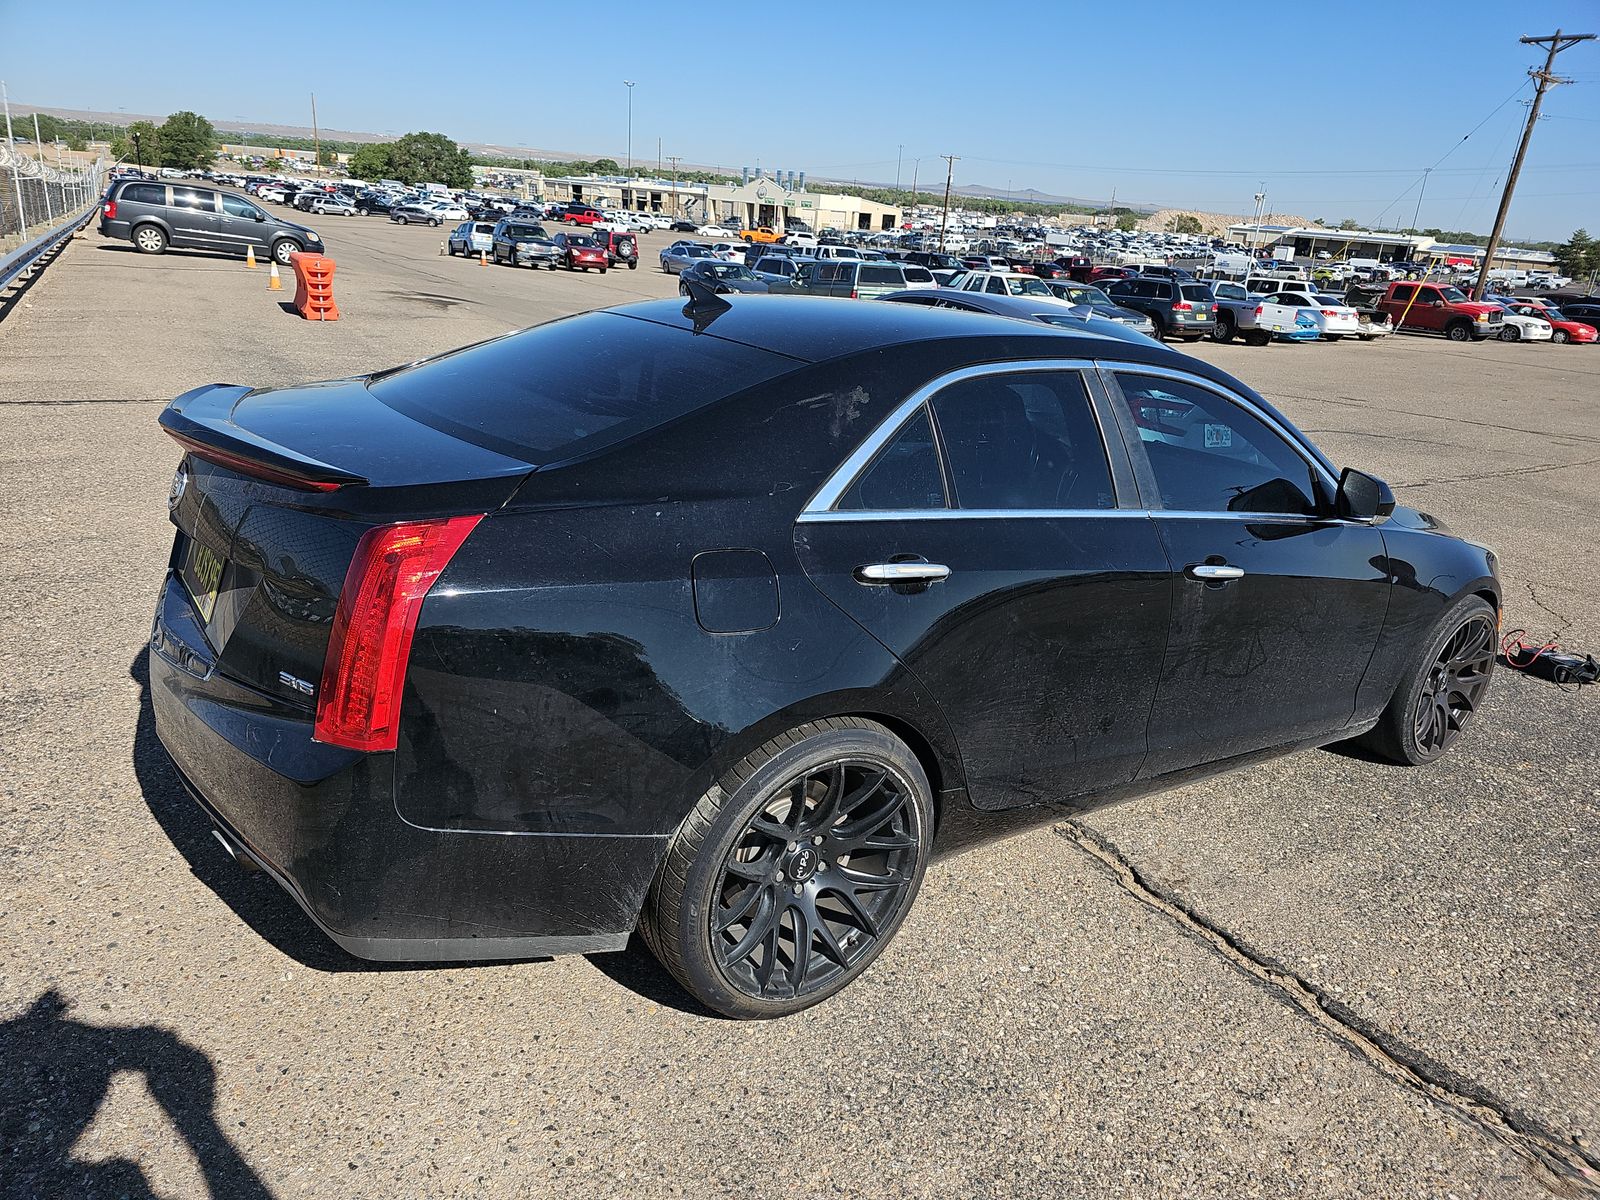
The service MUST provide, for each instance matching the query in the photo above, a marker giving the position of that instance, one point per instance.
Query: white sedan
(447, 212)
(1518, 328)
(1333, 318)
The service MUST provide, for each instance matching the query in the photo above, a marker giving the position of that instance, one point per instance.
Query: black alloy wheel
(1439, 698)
(795, 871)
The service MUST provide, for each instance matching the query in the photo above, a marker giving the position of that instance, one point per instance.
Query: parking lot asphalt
(1321, 976)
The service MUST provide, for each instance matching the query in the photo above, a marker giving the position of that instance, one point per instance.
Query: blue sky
(1154, 99)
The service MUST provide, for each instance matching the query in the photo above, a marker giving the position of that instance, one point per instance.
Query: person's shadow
(58, 1072)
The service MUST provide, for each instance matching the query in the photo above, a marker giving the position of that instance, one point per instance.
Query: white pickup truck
(1257, 320)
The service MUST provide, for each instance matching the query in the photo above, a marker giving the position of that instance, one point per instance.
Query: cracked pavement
(1318, 977)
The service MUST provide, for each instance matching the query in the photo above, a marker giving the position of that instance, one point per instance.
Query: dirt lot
(1320, 977)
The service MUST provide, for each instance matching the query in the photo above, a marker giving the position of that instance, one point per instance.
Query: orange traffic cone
(274, 281)
(250, 257)
(483, 258)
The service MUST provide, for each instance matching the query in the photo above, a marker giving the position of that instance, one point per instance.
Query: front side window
(1209, 454)
(1022, 441)
(905, 475)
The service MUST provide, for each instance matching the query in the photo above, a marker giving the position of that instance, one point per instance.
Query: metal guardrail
(27, 255)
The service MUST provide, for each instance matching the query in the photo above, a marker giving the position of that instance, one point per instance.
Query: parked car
(154, 216)
(520, 243)
(414, 214)
(761, 233)
(720, 277)
(1523, 326)
(777, 268)
(333, 205)
(1105, 276)
(1087, 295)
(684, 226)
(917, 277)
(579, 214)
(448, 211)
(622, 249)
(472, 237)
(680, 255)
(372, 202)
(1186, 311)
(1440, 308)
(999, 283)
(850, 278)
(580, 252)
(1333, 318)
(507, 675)
(1562, 327)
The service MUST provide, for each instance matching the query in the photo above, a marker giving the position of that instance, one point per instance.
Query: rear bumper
(322, 821)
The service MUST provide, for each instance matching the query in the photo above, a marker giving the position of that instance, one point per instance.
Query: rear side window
(144, 193)
(1403, 294)
(1196, 291)
(573, 386)
(1023, 441)
(904, 477)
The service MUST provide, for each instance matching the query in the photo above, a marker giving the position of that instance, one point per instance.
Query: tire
(846, 863)
(1459, 332)
(1257, 338)
(150, 239)
(1436, 702)
(634, 266)
(1510, 333)
(683, 290)
(1222, 331)
(282, 249)
(1333, 337)
(435, 222)
(1161, 328)
(1560, 337)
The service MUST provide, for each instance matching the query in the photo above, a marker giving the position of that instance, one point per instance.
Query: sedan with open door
(712, 620)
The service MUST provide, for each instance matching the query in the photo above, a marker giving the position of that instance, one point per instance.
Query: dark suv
(1178, 308)
(155, 215)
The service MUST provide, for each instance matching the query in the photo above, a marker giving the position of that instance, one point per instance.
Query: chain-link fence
(35, 197)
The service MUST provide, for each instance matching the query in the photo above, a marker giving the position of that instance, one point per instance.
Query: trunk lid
(275, 490)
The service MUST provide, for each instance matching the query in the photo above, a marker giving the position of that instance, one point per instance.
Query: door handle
(902, 572)
(1213, 573)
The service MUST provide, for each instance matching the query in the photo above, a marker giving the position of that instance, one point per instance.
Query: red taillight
(110, 210)
(1258, 310)
(358, 704)
(1182, 306)
(1328, 312)
(853, 295)
(252, 468)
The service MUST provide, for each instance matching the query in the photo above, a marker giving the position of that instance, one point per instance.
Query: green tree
(1128, 221)
(1578, 255)
(148, 148)
(428, 158)
(187, 141)
(1348, 223)
(372, 160)
(1184, 223)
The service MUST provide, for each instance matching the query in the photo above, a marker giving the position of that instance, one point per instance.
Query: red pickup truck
(1441, 308)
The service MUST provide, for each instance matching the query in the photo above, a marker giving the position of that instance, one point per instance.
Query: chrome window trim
(976, 514)
(1226, 393)
(835, 486)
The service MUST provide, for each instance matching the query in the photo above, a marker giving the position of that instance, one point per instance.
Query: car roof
(815, 329)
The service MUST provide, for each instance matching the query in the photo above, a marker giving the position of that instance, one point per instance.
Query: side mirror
(1436, 303)
(261, 216)
(1363, 497)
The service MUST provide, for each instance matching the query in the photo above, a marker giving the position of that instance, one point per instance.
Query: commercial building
(758, 199)
(1314, 241)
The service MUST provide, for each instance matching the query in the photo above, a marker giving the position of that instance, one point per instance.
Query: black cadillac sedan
(713, 619)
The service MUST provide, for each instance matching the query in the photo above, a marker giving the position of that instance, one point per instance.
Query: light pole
(630, 84)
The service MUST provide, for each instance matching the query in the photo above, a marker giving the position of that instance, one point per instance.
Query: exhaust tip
(237, 852)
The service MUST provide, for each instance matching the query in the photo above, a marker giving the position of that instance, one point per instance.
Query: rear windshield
(889, 275)
(573, 386)
(1196, 291)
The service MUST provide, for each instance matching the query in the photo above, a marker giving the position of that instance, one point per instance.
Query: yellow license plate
(202, 575)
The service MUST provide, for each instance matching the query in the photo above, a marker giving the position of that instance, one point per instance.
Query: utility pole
(316, 139)
(898, 158)
(16, 179)
(677, 209)
(630, 83)
(949, 175)
(1557, 42)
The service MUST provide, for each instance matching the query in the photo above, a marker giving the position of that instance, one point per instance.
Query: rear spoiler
(201, 422)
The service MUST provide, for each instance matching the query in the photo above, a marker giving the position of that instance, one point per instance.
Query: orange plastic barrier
(313, 291)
